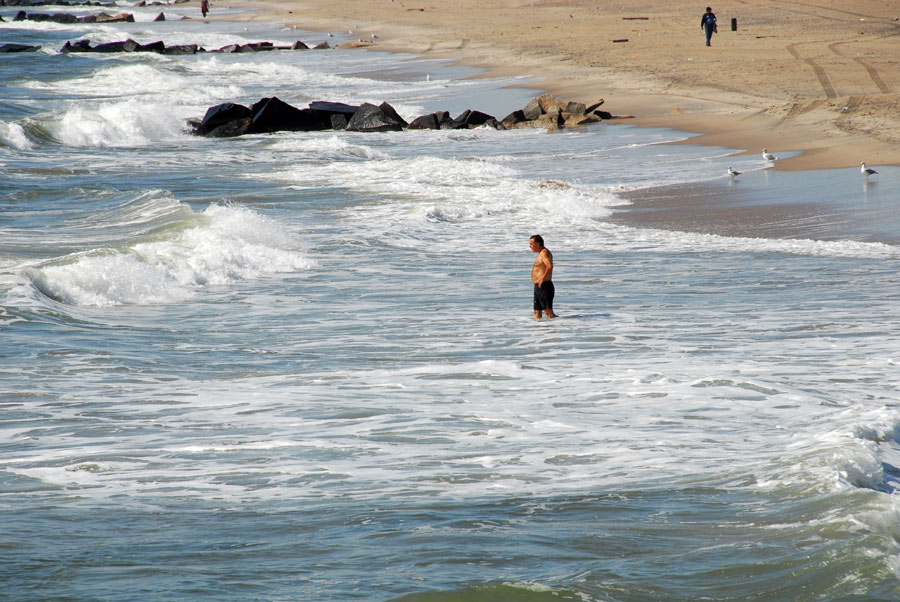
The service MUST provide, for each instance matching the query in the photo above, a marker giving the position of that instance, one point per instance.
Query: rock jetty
(67, 18)
(84, 3)
(274, 115)
(130, 45)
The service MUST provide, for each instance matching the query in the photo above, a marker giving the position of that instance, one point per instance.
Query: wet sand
(787, 210)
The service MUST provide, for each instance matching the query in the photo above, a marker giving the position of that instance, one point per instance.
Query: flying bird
(866, 171)
(768, 156)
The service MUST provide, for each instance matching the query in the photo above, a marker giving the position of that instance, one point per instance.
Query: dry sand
(819, 76)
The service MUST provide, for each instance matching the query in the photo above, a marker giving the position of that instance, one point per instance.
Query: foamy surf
(331, 386)
(234, 244)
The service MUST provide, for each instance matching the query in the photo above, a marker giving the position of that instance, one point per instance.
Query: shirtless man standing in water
(541, 275)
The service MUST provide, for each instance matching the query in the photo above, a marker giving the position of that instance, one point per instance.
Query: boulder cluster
(130, 45)
(67, 18)
(547, 111)
(274, 115)
(83, 3)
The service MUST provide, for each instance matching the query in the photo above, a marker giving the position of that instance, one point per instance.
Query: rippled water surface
(303, 366)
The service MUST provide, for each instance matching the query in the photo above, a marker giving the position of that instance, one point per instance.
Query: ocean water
(304, 366)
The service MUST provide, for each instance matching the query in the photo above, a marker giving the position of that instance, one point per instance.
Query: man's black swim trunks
(543, 296)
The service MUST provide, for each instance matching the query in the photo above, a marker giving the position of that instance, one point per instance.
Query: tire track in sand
(872, 71)
(821, 75)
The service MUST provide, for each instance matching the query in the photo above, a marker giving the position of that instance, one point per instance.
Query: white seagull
(768, 156)
(733, 173)
(866, 171)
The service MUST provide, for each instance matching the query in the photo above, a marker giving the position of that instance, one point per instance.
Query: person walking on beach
(541, 275)
(204, 7)
(708, 22)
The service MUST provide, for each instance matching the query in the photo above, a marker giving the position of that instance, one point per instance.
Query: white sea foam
(13, 135)
(405, 388)
(234, 244)
(118, 124)
(148, 80)
(329, 146)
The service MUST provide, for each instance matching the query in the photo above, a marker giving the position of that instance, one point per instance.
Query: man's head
(536, 243)
(709, 9)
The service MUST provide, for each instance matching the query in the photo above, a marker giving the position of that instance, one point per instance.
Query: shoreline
(825, 87)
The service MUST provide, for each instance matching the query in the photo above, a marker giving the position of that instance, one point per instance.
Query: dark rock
(333, 107)
(298, 45)
(182, 49)
(238, 127)
(517, 116)
(275, 115)
(111, 47)
(459, 123)
(425, 122)
(160, 17)
(222, 114)
(462, 117)
(255, 47)
(339, 121)
(332, 115)
(603, 114)
(64, 18)
(389, 111)
(370, 118)
(594, 106)
(77, 46)
(152, 47)
(473, 119)
(9, 48)
(321, 46)
(21, 16)
(231, 48)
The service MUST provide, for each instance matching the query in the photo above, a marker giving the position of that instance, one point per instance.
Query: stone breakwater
(86, 3)
(130, 45)
(272, 114)
(67, 18)
(160, 47)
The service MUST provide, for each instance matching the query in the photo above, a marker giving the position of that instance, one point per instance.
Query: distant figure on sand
(708, 23)
(541, 275)
(204, 7)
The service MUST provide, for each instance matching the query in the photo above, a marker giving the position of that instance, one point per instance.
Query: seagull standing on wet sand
(733, 173)
(866, 171)
(768, 156)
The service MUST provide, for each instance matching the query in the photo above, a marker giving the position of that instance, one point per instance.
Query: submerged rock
(10, 48)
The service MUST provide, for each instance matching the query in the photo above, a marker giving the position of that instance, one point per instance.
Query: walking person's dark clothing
(708, 23)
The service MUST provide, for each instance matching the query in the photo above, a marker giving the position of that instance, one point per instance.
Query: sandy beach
(819, 77)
